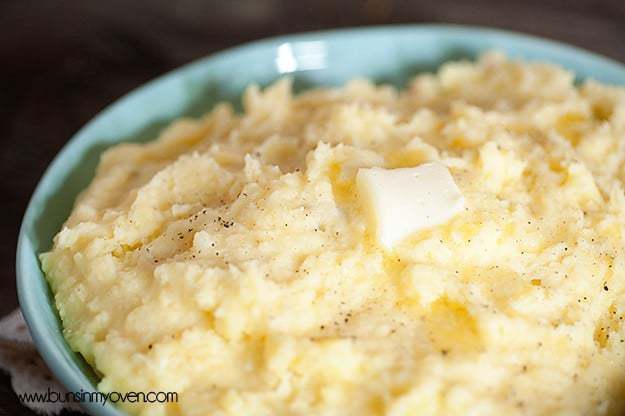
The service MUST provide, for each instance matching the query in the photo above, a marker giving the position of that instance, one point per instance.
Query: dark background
(61, 62)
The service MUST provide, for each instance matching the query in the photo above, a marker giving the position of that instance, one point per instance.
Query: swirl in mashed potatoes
(230, 260)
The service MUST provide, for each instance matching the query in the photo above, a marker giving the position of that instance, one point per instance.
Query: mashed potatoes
(230, 260)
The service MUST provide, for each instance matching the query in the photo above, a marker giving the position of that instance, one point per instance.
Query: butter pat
(401, 201)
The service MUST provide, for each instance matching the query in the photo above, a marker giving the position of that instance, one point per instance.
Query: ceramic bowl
(391, 54)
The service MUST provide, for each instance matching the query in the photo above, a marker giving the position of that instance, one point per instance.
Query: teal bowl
(390, 54)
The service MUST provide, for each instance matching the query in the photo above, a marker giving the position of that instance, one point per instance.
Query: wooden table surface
(63, 61)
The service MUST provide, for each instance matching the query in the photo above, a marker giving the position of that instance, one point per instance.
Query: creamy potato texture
(230, 261)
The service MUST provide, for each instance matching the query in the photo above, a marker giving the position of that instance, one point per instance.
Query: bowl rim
(26, 296)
